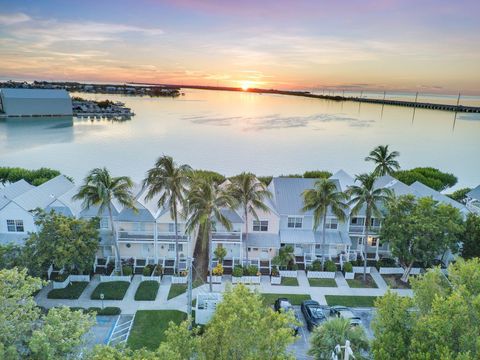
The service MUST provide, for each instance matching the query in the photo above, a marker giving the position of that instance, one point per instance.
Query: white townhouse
(296, 226)
(149, 233)
(18, 200)
(473, 200)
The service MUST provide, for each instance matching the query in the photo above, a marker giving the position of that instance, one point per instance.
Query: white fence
(359, 269)
(349, 275)
(216, 279)
(275, 280)
(321, 274)
(246, 280)
(179, 279)
(391, 270)
(152, 278)
(416, 271)
(288, 273)
(69, 279)
(111, 278)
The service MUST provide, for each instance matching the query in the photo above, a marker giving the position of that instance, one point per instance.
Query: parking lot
(301, 346)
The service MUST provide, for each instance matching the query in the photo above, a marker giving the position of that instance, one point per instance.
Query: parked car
(283, 304)
(346, 313)
(314, 313)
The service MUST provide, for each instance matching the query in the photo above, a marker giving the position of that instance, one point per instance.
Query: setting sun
(246, 85)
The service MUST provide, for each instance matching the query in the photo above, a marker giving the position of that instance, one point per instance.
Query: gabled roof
(345, 180)
(425, 191)
(45, 194)
(232, 216)
(287, 194)
(141, 215)
(12, 191)
(398, 187)
(474, 193)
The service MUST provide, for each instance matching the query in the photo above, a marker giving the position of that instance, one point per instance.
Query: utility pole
(189, 290)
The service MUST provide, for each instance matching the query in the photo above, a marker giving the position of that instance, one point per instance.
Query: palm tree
(250, 195)
(335, 332)
(322, 197)
(384, 160)
(205, 203)
(170, 180)
(366, 195)
(100, 189)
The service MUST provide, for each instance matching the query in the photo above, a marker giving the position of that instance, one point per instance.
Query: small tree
(285, 257)
(471, 237)
(335, 332)
(419, 230)
(220, 253)
(384, 160)
(64, 241)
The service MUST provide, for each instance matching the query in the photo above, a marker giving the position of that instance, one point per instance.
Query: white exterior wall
(14, 212)
(272, 218)
(268, 254)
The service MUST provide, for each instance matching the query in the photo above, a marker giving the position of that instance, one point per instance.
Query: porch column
(155, 245)
(376, 250)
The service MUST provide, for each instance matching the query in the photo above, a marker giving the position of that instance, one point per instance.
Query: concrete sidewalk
(129, 306)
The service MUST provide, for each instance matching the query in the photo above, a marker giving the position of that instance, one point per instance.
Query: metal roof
(297, 237)
(287, 194)
(14, 93)
(333, 238)
(263, 240)
(141, 215)
(45, 194)
(232, 216)
(12, 238)
(426, 191)
(12, 191)
(345, 180)
(475, 193)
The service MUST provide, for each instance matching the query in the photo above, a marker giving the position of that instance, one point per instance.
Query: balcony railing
(170, 236)
(359, 229)
(135, 236)
(226, 236)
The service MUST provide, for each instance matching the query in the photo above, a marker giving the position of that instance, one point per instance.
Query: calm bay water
(230, 132)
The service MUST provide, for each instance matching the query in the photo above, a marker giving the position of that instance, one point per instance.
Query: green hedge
(109, 310)
(34, 177)
(114, 290)
(147, 291)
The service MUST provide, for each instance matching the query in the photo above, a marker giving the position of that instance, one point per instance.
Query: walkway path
(129, 306)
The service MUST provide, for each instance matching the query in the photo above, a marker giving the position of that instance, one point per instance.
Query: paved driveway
(301, 346)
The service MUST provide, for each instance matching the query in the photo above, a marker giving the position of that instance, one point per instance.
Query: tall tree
(64, 241)
(205, 204)
(251, 195)
(420, 230)
(100, 189)
(27, 334)
(364, 195)
(384, 160)
(320, 199)
(335, 332)
(471, 237)
(170, 181)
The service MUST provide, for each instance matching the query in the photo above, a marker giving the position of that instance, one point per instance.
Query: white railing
(111, 278)
(152, 278)
(61, 284)
(391, 270)
(359, 269)
(288, 273)
(216, 279)
(321, 274)
(69, 279)
(179, 279)
(349, 275)
(275, 280)
(416, 271)
(246, 280)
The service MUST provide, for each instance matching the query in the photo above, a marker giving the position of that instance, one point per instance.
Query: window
(372, 241)
(104, 223)
(260, 225)
(331, 224)
(294, 222)
(15, 226)
(171, 247)
(180, 247)
(375, 222)
(171, 227)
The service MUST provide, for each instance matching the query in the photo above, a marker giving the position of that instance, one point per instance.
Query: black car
(314, 313)
(283, 304)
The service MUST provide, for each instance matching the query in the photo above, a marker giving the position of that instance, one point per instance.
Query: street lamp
(102, 296)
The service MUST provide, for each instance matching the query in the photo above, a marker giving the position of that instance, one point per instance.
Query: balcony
(135, 236)
(227, 236)
(170, 237)
(359, 229)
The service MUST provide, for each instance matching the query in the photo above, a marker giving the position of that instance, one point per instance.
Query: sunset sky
(427, 45)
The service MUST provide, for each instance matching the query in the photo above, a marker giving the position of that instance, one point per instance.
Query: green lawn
(179, 289)
(72, 291)
(351, 301)
(322, 282)
(358, 282)
(288, 281)
(147, 290)
(295, 299)
(149, 327)
(114, 290)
